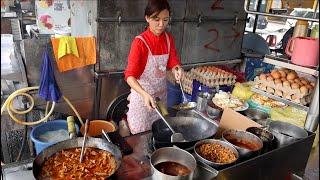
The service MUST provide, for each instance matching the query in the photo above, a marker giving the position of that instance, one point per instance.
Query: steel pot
(74, 143)
(239, 139)
(286, 133)
(172, 154)
(267, 138)
(215, 141)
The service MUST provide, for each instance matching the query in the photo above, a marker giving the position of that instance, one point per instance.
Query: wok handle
(157, 110)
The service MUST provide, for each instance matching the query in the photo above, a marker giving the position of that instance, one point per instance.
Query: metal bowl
(255, 114)
(286, 133)
(240, 138)
(267, 137)
(185, 106)
(213, 110)
(210, 163)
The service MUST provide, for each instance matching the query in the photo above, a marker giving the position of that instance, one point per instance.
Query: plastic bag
(290, 115)
(242, 91)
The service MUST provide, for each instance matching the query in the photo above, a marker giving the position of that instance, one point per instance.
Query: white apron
(153, 81)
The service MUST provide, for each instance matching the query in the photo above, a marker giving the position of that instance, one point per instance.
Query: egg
(277, 81)
(297, 80)
(283, 79)
(310, 87)
(282, 73)
(295, 86)
(269, 78)
(263, 77)
(304, 89)
(312, 84)
(278, 93)
(286, 83)
(275, 74)
(286, 70)
(292, 75)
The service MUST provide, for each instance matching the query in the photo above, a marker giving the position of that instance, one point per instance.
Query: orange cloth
(87, 54)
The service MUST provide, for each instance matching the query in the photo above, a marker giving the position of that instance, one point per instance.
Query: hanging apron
(153, 81)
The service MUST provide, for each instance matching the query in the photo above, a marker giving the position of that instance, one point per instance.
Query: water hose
(8, 105)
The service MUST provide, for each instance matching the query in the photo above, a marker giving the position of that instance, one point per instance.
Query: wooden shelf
(287, 64)
(285, 101)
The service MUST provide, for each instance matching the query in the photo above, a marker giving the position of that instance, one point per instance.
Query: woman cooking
(151, 54)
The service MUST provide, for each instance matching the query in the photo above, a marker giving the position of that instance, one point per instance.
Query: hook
(119, 20)
(199, 20)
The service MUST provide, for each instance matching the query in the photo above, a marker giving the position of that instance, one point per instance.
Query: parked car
(301, 12)
(261, 24)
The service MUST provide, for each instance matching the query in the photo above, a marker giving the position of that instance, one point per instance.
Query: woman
(151, 54)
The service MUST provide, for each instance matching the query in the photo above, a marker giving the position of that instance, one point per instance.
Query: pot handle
(290, 46)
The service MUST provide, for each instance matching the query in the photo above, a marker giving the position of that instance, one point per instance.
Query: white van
(301, 12)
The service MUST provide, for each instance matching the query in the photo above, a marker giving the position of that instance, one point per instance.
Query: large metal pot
(172, 154)
(286, 133)
(215, 141)
(74, 143)
(240, 138)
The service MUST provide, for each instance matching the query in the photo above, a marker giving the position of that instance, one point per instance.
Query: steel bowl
(286, 133)
(256, 114)
(210, 163)
(267, 138)
(172, 154)
(234, 137)
(213, 110)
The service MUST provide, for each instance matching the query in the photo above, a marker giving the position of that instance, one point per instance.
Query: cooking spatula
(175, 137)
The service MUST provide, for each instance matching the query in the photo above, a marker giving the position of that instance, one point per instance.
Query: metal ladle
(175, 137)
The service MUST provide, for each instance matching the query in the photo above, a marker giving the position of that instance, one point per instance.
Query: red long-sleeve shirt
(138, 54)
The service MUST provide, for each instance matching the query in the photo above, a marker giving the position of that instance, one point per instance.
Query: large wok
(193, 130)
(73, 143)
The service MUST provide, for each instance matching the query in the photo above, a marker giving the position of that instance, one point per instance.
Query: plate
(238, 109)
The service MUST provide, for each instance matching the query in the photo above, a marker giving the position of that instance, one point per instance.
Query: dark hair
(156, 6)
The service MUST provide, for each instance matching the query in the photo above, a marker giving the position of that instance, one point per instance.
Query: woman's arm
(148, 100)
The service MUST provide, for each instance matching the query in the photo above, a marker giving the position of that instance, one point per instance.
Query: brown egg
(291, 81)
(286, 70)
(291, 76)
(297, 80)
(277, 81)
(312, 84)
(282, 73)
(283, 79)
(269, 78)
(310, 87)
(295, 86)
(263, 77)
(286, 83)
(275, 74)
(304, 89)
(305, 82)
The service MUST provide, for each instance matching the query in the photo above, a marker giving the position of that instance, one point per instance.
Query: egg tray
(295, 97)
(213, 80)
(286, 90)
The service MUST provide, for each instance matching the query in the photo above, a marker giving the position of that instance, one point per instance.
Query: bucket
(96, 127)
(174, 96)
(46, 127)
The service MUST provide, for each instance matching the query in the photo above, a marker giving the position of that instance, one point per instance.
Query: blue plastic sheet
(48, 89)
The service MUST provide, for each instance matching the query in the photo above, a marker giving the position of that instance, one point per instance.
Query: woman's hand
(148, 101)
(178, 73)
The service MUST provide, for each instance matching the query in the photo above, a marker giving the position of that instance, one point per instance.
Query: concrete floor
(312, 169)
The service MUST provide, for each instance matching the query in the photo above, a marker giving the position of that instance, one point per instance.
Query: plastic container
(45, 127)
(96, 127)
(174, 95)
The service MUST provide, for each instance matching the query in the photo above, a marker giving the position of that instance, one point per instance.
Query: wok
(74, 143)
(193, 130)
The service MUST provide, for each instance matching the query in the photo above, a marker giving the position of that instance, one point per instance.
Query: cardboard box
(231, 119)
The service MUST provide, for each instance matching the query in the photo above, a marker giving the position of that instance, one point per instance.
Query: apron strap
(168, 42)
(140, 37)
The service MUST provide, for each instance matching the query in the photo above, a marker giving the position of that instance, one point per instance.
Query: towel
(67, 45)
(87, 54)
(48, 89)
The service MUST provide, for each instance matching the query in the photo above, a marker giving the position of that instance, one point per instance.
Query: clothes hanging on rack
(87, 54)
(67, 45)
